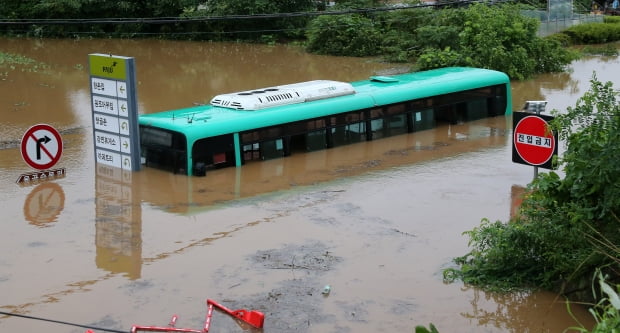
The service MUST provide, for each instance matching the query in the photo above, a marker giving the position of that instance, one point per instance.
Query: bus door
(213, 152)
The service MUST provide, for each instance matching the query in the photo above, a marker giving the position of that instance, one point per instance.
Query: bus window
(397, 125)
(476, 109)
(497, 102)
(376, 128)
(389, 126)
(251, 152)
(265, 150)
(447, 113)
(163, 149)
(423, 120)
(307, 135)
(165, 159)
(316, 140)
(352, 133)
(271, 149)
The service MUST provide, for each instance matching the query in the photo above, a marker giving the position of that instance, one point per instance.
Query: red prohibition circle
(533, 141)
(30, 140)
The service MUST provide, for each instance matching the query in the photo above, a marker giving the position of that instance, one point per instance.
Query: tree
(495, 37)
(89, 9)
(254, 29)
(344, 35)
(387, 33)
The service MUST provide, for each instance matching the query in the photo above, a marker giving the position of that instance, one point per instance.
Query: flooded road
(377, 221)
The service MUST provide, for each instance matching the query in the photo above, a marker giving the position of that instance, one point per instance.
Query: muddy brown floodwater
(377, 221)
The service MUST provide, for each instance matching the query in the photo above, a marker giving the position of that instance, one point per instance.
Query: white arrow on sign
(123, 108)
(122, 89)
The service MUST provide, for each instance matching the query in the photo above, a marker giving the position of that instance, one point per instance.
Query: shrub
(561, 38)
(593, 33)
(435, 58)
(611, 19)
(344, 35)
(608, 50)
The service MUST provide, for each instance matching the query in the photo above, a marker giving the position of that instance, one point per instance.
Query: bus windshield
(163, 149)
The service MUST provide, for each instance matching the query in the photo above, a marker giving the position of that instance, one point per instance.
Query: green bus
(273, 122)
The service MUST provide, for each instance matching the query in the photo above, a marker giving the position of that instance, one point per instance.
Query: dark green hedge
(594, 33)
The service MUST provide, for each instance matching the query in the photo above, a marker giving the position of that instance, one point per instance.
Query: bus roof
(208, 120)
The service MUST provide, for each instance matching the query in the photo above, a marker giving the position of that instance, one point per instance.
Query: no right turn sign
(41, 146)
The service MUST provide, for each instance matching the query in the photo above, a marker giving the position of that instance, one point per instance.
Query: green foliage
(286, 27)
(9, 59)
(582, 6)
(496, 37)
(344, 35)
(422, 329)
(592, 129)
(594, 33)
(507, 257)
(441, 31)
(563, 39)
(611, 19)
(606, 311)
(604, 50)
(395, 48)
(56, 9)
(252, 29)
(224, 29)
(435, 58)
(343, 4)
(89, 9)
(551, 56)
(399, 43)
(567, 228)
(12, 62)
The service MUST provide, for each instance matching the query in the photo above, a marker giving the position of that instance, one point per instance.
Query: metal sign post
(116, 133)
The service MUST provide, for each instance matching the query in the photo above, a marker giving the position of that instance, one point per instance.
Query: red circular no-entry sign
(533, 141)
(41, 146)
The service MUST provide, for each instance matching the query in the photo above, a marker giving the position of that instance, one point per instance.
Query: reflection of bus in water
(273, 122)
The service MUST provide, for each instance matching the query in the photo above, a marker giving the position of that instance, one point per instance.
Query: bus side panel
(237, 143)
(508, 101)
